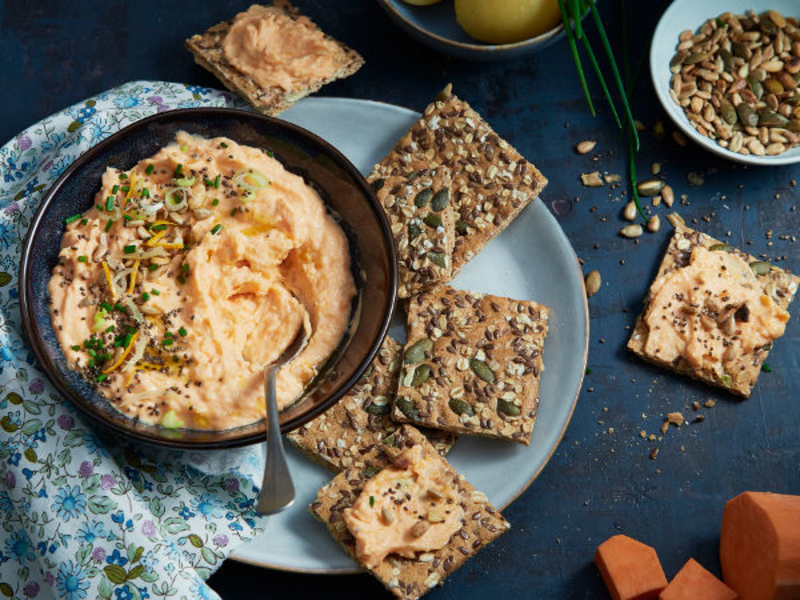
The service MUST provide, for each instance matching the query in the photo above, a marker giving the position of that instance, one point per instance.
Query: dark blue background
(53, 54)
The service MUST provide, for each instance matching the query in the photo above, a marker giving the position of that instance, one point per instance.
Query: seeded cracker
(404, 577)
(492, 182)
(421, 218)
(208, 53)
(342, 435)
(472, 364)
(778, 284)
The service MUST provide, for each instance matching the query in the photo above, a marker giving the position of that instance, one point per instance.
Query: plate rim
(574, 402)
(678, 115)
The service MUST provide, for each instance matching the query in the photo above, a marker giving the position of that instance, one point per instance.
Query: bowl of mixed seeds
(728, 74)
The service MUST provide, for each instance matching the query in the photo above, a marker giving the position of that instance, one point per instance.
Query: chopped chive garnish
(110, 203)
(588, 370)
(98, 206)
(184, 148)
(84, 221)
(216, 181)
(223, 145)
(149, 169)
(119, 307)
(158, 227)
(76, 348)
(123, 175)
(109, 223)
(233, 212)
(208, 182)
(126, 188)
(130, 249)
(371, 501)
(72, 219)
(216, 229)
(115, 189)
(270, 153)
(152, 268)
(92, 353)
(185, 268)
(178, 169)
(82, 258)
(101, 378)
(127, 217)
(109, 329)
(181, 279)
(126, 340)
(168, 334)
(107, 306)
(766, 368)
(145, 296)
(155, 292)
(145, 193)
(91, 363)
(215, 201)
(167, 342)
(183, 331)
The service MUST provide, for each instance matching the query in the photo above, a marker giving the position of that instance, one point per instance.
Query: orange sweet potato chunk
(630, 569)
(693, 582)
(760, 546)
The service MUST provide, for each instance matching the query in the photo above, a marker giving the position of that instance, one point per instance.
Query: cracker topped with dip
(272, 56)
(166, 289)
(713, 312)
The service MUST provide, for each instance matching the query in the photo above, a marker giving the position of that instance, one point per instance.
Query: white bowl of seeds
(728, 74)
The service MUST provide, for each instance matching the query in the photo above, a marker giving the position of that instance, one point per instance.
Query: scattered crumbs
(676, 418)
(710, 403)
(643, 434)
(695, 405)
(653, 453)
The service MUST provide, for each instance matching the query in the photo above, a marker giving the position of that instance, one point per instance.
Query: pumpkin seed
(727, 111)
(432, 220)
(367, 373)
(508, 408)
(380, 405)
(481, 369)
(407, 407)
(414, 231)
(460, 407)
(421, 374)
(593, 283)
(423, 197)
(726, 380)
(650, 187)
(769, 118)
(416, 352)
(767, 26)
(370, 471)
(462, 228)
(760, 267)
(377, 185)
(696, 57)
(390, 440)
(727, 59)
(747, 114)
(720, 248)
(438, 258)
(755, 86)
(773, 86)
(440, 200)
(742, 50)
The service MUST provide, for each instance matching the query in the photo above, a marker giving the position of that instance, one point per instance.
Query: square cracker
(472, 364)
(422, 222)
(341, 436)
(492, 182)
(777, 283)
(409, 578)
(207, 51)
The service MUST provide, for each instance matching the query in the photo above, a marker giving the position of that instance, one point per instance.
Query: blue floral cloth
(80, 518)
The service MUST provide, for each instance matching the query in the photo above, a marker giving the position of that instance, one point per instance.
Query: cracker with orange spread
(446, 520)
(713, 312)
(341, 436)
(272, 56)
(472, 364)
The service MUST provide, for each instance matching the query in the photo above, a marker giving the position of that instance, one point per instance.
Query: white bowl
(690, 14)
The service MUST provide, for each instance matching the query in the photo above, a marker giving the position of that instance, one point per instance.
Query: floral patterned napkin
(81, 518)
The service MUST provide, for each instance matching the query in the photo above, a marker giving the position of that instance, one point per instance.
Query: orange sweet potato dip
(192, 273)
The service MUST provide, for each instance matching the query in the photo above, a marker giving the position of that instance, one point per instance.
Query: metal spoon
(277, 489)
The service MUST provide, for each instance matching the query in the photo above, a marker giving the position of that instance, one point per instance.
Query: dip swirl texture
(192, 273)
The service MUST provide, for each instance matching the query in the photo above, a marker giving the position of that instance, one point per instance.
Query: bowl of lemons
(479, 29)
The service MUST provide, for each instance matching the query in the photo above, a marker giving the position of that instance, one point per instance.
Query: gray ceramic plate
(690, 14)
(436, 27)
(532, 260)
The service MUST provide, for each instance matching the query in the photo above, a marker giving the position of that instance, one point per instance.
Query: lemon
(421, 2)
(506, 21)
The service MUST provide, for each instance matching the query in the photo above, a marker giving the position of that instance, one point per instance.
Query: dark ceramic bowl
(340, 185)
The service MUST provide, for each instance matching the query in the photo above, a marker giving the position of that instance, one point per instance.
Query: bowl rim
(678, 115)
(477, 46)
(38, 345)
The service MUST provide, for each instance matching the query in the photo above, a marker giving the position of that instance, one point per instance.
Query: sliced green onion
(167, 342)
(152, 268)
(101, 378)
(215, 201)
(115, 189)
(145, 193)
(155, 292)
(110, 204)
(84, 221)
(123, 175)
(72, 219)
(251, 180)
(127, 217)
(145, 296)
(216, 229)
(109, 223)
(178, 170)
(223, 145)
(185, 181)
(183, 332)
(130, 249)
(83, 259)
(217, 179)
(149, 169)
(76, 348)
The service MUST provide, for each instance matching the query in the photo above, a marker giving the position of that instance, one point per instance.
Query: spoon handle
(277, 489)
